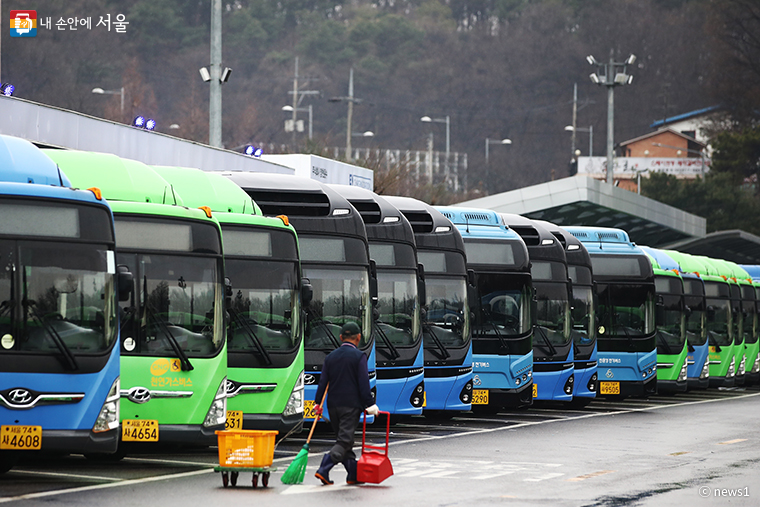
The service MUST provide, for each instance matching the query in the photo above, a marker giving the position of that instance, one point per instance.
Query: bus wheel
(6, 463)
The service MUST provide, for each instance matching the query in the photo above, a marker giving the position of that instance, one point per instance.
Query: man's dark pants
(344, 421)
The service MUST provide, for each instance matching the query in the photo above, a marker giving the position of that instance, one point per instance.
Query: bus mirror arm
(471, 280)
(534, 309)
(227, 292)
(307, 291)
(373, 282)
(421, 291)
(124, 281)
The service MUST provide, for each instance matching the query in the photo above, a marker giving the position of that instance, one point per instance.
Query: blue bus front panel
(402, 390)
(553, 381)
(627, 374)
(586, 383)
(449, 387)
(66, 425)
(502, 381)
(698, 367)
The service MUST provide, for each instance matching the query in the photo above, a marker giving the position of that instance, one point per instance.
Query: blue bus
(334, 258)
(502, 331)
(553, 361)
(627, 351)
(397, 328)
(59, 358)
(579, 270)
(446, 330)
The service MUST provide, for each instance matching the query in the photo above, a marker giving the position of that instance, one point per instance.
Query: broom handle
(316, 419)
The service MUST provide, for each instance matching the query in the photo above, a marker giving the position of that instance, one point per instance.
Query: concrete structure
(586, 201)
(325, 170)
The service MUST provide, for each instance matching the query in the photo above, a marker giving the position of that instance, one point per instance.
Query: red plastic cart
(374, 466)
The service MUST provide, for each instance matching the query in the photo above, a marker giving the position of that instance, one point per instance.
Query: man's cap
(350, 329)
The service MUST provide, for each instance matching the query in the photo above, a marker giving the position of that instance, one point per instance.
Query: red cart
(374, 466)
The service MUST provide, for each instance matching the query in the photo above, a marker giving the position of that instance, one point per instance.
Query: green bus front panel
(179, 400)
(677, 360)
(720, 361)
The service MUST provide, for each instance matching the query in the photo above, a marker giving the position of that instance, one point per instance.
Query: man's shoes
(350, 465)
(323, 472)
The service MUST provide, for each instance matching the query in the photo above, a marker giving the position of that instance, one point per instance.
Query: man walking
(345, 370)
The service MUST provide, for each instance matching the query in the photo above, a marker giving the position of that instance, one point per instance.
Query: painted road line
(589, 476)
(60, 474)
(735, 441)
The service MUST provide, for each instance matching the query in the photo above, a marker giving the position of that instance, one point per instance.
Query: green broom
(297, 470)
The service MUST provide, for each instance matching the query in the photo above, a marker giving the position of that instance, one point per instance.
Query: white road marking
(59, 474)
(543, 477)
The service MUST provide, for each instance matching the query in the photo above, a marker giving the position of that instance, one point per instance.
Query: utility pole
(295, 104)
(351, 100)
(575, 117)
(215, 93)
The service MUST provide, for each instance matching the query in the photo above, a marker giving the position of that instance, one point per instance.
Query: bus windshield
(56, 298)
(176, 304)
(503, 306)
(447, 320)
(264, 310)
(583, 315)
(399, 320)
(671, 325)
(719, 321)
(625, 310)
(340, 295)
(552, 313)
(695, 322)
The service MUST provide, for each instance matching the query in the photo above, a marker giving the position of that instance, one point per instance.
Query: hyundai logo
(309, 379)
(139, 395)
(230, 387)
(19, 396)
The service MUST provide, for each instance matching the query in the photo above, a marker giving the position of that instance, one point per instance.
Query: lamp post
(447, 121)
(493, 141)
(611, 74)
(289, 109)
(120, 91)
(590, 131)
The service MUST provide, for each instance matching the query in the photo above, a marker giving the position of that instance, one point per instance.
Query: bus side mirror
(307, 291)
(534, 308)
(710, 313)
(373, 282)
(124, 282)
(421, 290)
(471, 280)
(227, 291)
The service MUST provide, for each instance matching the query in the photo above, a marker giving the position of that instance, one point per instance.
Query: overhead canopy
(586, 201)
(734, 245)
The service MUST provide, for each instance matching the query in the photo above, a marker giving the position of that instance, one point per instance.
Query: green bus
(670, 319)
(173, 348)
(265, 350)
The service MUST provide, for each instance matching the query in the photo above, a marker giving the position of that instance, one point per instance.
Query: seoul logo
(476, 381)
(609, 374)
(20, 396)
(139, 395)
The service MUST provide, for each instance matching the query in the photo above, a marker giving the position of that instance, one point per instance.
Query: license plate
(535, 390)
(139, 430)
(21, 438)
(308, 409)
(609, 387)
(234, 420)
(480, 396)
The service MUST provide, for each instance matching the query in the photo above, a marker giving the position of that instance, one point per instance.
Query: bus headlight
(730, 372)
(756, 366)
(705, 369)
(217, 413)
(742, 368)
(682, 374)
(108, 418)
(295, 402)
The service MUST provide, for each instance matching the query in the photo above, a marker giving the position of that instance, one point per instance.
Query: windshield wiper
(545, 338)
(321, 322)
(252, 336)
(664, 342)
(183, 359)
(713, 341)
(386, 340)
(498, 335)
(437, 341)
(70, 360)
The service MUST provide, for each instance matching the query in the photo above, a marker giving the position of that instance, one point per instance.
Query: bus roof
(542, 245)
(23, 162)
(119, 179)
(382, 220)
(606, 240)
(575, 251)
(199, 188)
(432, 230)
(664, 261)
(309, 205)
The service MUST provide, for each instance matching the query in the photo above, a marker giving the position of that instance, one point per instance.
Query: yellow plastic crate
(246, 448)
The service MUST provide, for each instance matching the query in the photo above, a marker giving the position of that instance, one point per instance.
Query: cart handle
(387, 433)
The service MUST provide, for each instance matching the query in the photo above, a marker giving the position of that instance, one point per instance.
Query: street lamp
(611, 74)
(590, 131)
(489, 142)
(367, 133)
(120, 91)
(447, 121)
(289, 109)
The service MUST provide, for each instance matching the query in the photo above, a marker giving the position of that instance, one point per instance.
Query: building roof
(586, 201)
(684, 116)
(660, 132)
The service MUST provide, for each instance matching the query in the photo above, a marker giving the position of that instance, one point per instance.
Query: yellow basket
(246, 448)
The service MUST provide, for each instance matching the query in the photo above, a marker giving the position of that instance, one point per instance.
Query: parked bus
(446, 329)
(400, 287)
(670, 319)
(753, 375)
(583, 313)
(334, 258)
(502, 331)
(173, 349)
(265, 389)
(59, 362)
(698, 357)
(627, 353)
(553, 361)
